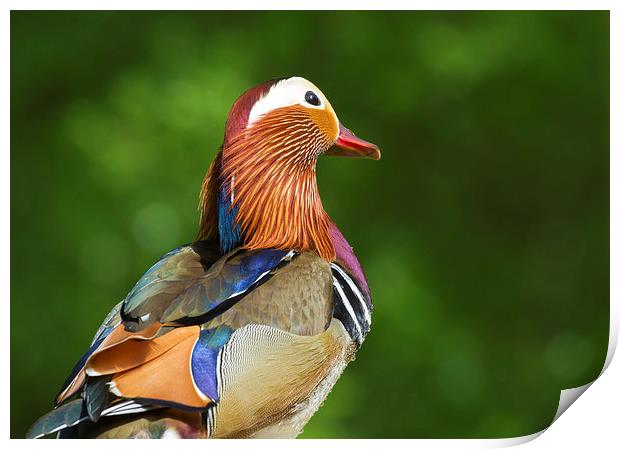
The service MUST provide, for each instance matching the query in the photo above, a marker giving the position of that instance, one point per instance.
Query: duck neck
(272, 203)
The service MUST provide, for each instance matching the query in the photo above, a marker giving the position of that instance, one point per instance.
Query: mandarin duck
(243, 332)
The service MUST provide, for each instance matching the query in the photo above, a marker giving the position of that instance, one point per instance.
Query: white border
(593, 421)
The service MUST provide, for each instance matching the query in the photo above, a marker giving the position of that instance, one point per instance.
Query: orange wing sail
(146, 365)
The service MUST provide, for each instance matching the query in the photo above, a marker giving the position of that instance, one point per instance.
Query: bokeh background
(484, 230)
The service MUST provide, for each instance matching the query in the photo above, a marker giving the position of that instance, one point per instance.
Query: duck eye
(312, 98)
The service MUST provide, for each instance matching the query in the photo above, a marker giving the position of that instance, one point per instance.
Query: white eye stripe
(284, 93)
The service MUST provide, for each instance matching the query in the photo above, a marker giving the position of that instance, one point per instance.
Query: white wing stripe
(355, 290)
(347, 305)
(126, 407)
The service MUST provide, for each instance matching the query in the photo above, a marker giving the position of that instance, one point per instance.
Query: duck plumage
(243, 332)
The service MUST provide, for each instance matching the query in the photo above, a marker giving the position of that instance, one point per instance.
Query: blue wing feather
(204, 359)
(229, 231)
(208, 296)
(252, 266)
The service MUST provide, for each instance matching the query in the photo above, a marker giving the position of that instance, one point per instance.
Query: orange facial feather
(271, 168)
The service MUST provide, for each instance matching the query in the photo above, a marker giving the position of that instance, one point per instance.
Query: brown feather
(134, 352)
(272, 169)
(165, 378)
(208, 200)
(298, 299)
(116, 337)
(74, 387)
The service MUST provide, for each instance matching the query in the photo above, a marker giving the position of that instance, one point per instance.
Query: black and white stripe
(350, 305)
(210, 416)
(67, 418)
(128, 407)
(209, 420)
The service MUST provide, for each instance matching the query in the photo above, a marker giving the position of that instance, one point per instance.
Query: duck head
(261, 190)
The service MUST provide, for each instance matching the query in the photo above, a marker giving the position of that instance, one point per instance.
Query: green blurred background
(484, 230)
